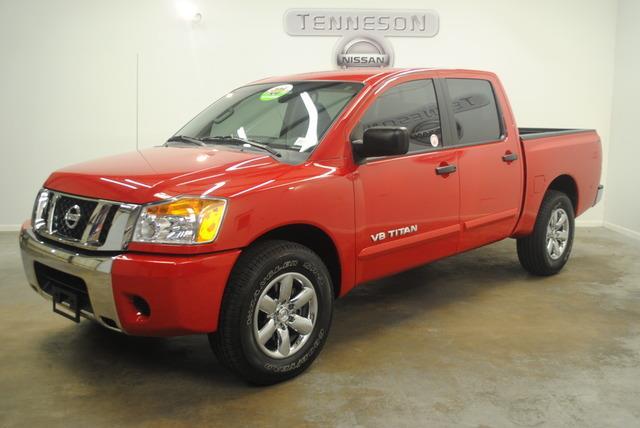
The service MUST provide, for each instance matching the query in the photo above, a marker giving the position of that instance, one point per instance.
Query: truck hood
(162, 172)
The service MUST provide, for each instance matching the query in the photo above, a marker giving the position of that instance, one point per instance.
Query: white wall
(623, 191)
(68, 71)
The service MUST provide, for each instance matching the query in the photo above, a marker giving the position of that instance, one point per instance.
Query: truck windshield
(289, 118)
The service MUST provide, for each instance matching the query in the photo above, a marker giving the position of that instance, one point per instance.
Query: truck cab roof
(362, 75)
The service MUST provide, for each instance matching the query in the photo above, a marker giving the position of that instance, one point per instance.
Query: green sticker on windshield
(275, 92)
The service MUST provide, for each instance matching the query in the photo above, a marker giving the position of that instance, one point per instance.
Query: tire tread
(531, 252)
(225, 343)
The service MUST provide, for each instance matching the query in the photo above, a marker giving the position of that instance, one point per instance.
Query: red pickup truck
(286, 193)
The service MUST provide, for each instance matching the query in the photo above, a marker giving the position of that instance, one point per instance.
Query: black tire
(532, 250)
(235, 344)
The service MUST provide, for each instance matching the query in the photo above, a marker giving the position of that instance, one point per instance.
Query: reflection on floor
(472, 340)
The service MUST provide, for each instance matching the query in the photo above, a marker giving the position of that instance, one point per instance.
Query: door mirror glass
(382, 141)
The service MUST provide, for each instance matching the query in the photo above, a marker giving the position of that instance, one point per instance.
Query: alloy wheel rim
(557, 233)
(285, 315)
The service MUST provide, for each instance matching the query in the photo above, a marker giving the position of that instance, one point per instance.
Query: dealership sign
(364, 32)
(335, 22)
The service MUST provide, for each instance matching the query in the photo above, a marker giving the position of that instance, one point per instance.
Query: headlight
(180, 221)
(38, 219)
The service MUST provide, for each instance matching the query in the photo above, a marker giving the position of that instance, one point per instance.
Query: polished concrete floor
(469, 341)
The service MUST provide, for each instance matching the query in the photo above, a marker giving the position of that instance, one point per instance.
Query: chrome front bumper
(95, 271)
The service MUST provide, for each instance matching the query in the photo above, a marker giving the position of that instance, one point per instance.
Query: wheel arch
(315, 239)
(566, 184)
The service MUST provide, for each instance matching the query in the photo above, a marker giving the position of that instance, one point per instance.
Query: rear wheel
(276, 312)
(547, 249)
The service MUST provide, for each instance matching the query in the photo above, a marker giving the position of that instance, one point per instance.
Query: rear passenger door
(489, 166)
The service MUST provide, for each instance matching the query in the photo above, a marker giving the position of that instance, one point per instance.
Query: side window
(412, 105)
(474, 110)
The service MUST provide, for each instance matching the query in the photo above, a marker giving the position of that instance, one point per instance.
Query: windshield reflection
(288, 118)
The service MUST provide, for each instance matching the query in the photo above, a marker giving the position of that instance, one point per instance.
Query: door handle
(509, 157)
(445, 169)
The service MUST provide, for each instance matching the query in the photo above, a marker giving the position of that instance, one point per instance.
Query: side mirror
(382, 141)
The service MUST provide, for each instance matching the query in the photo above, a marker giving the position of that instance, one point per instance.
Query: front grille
(48, 278)
(90, 224)
(71, 216)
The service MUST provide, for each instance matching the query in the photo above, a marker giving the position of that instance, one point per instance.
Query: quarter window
(412, 105)
(474, 110)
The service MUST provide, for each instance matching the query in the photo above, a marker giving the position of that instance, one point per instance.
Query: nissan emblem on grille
(72, 217)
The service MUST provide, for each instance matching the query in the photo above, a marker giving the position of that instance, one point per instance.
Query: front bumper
(183, 294)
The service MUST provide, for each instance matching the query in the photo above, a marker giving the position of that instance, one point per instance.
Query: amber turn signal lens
(210, 220)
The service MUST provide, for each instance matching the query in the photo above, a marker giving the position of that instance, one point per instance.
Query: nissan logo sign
(363, 51)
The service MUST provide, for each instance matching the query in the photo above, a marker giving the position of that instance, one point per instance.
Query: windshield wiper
(238, 140)
(185, 139)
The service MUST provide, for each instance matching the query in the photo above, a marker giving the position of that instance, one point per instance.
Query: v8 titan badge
(394, 233)
(275, 92)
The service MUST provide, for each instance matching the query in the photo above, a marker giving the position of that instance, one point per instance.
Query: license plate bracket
(72, 311)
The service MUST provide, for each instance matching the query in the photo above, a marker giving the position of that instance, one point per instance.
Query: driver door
(407, 209)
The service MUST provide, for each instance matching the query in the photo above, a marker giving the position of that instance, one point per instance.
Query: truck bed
(550, 153)
(531, 133)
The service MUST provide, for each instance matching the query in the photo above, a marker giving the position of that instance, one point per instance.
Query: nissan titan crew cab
(287, 193)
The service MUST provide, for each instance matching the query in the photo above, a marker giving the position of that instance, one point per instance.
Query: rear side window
(474, 110)
(412, 105)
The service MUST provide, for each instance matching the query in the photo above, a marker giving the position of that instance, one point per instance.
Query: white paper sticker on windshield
(434, 140)
(304, 143)
(311, 137)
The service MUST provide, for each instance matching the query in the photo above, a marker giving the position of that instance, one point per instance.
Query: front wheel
(276, 312)
(547, 249)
